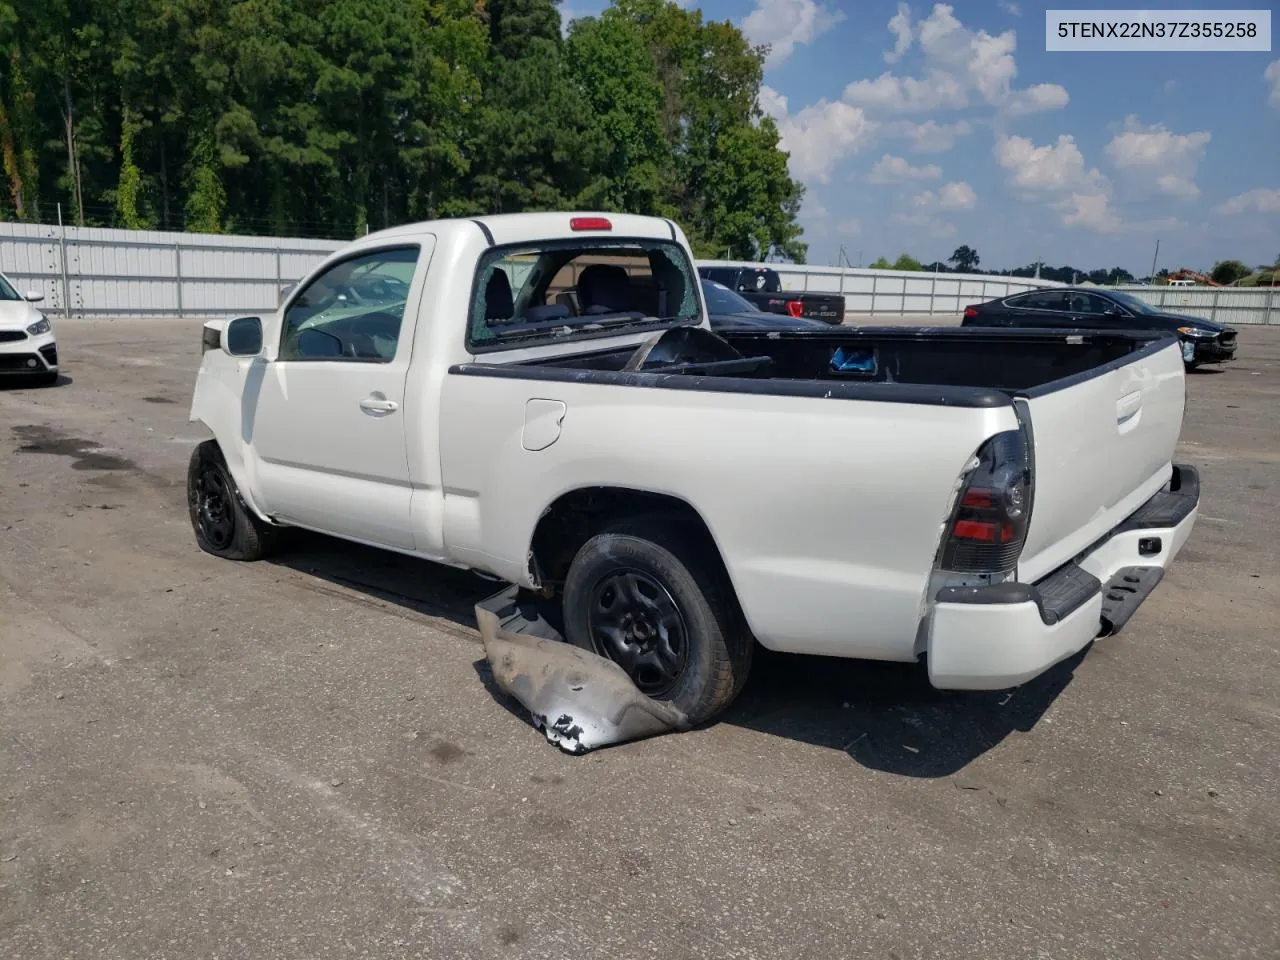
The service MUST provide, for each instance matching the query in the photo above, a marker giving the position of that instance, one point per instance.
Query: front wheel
(224, 526)
(657, 602)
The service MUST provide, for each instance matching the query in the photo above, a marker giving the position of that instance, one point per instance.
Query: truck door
(326, 420)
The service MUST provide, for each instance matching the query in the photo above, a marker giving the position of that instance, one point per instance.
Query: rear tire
(224, 525)
(647, 595)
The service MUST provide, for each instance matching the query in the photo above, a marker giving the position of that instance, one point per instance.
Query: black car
(762, 287)
(1203, 341)
(729, 311)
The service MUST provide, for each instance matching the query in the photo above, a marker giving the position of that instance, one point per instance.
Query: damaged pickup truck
(988, 500)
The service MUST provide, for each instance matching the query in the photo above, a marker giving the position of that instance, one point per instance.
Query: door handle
(377, 405)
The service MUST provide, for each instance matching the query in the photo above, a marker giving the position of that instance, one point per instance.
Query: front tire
(224, 526)
(657, 601)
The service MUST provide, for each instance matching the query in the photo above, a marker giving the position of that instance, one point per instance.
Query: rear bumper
(991, 638)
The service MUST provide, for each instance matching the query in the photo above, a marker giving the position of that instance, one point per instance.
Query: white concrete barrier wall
(888, 292)
(117, 273)
(113, 273)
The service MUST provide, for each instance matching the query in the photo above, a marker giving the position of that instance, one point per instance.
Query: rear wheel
(224, 526)
(657, 602)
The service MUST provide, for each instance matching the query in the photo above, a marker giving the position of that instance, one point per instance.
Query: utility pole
(1154, 256)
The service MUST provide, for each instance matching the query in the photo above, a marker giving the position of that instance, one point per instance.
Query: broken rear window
(577, 287)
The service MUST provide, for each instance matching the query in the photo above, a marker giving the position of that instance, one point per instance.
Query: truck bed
(936, 365)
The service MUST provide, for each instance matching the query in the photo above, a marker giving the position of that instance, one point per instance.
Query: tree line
(965, 259)
(332, 117)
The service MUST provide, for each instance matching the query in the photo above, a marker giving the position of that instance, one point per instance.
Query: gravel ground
(302, 758)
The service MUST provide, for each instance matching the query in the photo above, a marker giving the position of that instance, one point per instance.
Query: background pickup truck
(989, 500)
(763, 287)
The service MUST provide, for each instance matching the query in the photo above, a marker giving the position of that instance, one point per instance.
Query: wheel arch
(238, 469)
(577, 515)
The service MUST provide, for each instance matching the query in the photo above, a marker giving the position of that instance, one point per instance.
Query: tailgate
(1104, 444)
(828, 308)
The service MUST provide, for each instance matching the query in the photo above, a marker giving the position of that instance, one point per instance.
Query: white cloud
(1057, 173)
(957, 195)
(1261, 200)
(1052, 168)
(1036, 99)
(1272, 76)
(1156, 155)
(1010, 8)
(1092, 210)
(930, 136)
(891, 169)
(821, 135)
(849, 228)
(786, 24)
(937, 90)
(958, 62)
(772, 103)
(900, 27)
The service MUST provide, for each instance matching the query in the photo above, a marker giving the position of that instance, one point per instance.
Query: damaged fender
(577, 698)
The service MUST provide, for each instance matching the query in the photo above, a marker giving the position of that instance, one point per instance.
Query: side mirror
(33, 296)
(242, 337)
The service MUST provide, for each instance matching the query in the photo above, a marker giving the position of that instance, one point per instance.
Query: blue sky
(919, 126)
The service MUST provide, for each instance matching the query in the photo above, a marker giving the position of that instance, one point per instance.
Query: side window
(1088, 304)
(352, 311)
(1039, 301)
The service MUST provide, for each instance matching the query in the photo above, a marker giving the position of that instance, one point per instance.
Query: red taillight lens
(989, 524)
(589, 223)
(970, 312)
(795, 308)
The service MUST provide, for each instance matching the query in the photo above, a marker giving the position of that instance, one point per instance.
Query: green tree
(538, 144)
(1228, 271)
(906, 262)
(965, 259)
(881, 263)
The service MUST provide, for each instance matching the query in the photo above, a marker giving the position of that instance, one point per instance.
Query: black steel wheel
(635, 622)
(223, 525)
(215, 522)
(655, 599)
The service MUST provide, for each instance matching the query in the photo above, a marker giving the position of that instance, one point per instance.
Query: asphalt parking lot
(301, 758)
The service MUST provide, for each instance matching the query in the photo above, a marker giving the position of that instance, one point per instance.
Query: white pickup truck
(539, 397)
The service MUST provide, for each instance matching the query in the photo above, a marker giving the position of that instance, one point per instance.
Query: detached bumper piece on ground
(578, 699)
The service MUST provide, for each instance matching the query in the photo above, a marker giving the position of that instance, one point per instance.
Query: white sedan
(28, 350)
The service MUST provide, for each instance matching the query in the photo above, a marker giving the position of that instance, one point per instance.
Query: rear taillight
(970, 312)
(989, 524)
(795, 308)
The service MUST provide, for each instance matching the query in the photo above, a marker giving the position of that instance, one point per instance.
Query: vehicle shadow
(885, 716)
(426, 588)
(14, 384)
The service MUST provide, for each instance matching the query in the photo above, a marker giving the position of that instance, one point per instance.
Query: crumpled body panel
(577, 698)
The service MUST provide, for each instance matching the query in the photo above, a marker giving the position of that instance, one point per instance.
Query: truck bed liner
(948, 366)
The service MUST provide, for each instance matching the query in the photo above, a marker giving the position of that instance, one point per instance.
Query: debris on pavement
(577, 698)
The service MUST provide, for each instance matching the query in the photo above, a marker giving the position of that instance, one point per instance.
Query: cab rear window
(580, 287)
